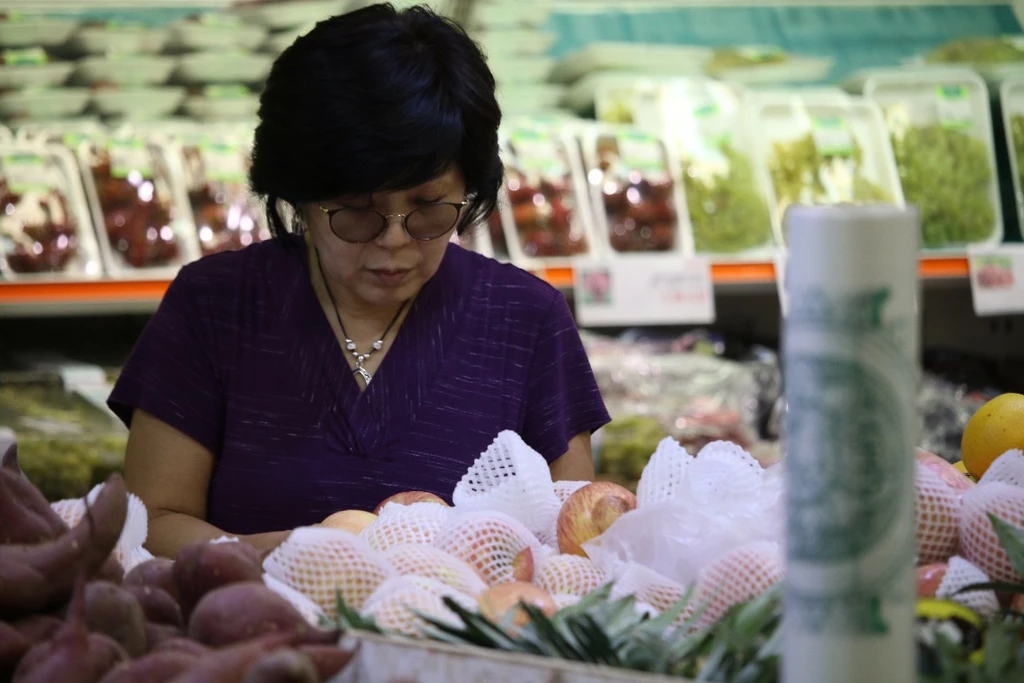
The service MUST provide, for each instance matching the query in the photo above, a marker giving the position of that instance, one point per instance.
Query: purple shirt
(241, 358)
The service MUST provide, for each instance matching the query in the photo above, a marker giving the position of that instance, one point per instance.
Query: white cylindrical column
(851, 364)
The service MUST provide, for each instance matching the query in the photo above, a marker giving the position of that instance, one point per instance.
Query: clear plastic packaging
(214, 32)
(223, 67)
(940, 125)
(766, 65)
(18, 30)
(643, 58)
(45, 226)
(139, 206)
(712, 153)
(218, 103)
(225, 214)
(638, 206)
(544, 205)
(994, 57)
(821, 147)
(31, 68)
(103, 38)
(1011, 97)
(124, 70)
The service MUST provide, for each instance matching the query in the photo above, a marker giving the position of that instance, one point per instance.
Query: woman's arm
(578, 462)
(170, 472)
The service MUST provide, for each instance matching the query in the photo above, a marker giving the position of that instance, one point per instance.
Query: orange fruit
(997, 427)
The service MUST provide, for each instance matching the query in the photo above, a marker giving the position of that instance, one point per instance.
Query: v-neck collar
(362, 419)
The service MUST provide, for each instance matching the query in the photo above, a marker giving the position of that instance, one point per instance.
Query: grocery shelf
(65, 298)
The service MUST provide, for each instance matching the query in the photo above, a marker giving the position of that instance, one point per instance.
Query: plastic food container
(216, 176)
(277, 43)
(137, 103)
(544, 209)
(766, 65)
(213, 32)
(124, 70)
(45, 226)
(638, 206)
(1011, 96)
(515, 41)
(277, 16)
(520, 100)
(940, 124)
(222, 103)
(114, 38)
(19, 30)
(607, 91)
(712, 156)
(223, 67)
(43, 104)
(670, 60)
(30, 68)
(501, 14)
(820, 147)
(993, 57)
(139, 207)
(511, 70)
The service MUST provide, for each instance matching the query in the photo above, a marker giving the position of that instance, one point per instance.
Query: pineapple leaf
(546, 630)
(350, 620)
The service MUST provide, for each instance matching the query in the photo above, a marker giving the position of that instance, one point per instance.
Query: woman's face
(393, 267)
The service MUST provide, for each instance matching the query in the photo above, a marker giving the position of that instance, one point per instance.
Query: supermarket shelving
(67, 298)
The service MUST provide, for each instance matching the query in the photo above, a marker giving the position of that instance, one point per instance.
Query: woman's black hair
(377, 100)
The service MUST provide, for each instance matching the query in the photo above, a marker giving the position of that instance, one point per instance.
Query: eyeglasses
(360, 225)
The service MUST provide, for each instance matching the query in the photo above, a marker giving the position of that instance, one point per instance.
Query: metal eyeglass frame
(331, 213)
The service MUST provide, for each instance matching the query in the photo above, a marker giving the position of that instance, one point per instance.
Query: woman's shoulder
(260, 266)
(504, 284)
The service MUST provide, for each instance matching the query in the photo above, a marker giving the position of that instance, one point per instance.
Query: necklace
(350, 345)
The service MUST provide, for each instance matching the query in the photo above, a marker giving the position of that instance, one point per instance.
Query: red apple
(353, 521)
(408, 498)
(589, 512)
(523, 566)
(497, 601)
(929, 578)
(949, 474)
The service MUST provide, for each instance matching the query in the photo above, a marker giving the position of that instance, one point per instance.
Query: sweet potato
(157, 634)
(39, 576)
(111, 570)
(182, 644)
(25, 516)
(282, 666)
(114, 611)
(328, 659)
(241, 611)
(158, 667)
(73, 655)
(203, 567)
(157, 605)
(13, 646)
(157, 573)
(228, 665)
(38, 627)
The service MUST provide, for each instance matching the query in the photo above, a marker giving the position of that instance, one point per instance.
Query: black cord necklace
(350, 345)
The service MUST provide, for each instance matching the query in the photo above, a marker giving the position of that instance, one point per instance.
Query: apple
(589, 512)
(959, 481)
(929, 578)
(497, 601)
(353, 521)
(523, 566)
(408, 498)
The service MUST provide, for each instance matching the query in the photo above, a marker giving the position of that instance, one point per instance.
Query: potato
(114, 611)
(282, 666)
(157, 573)
(158, 667)
(328, 659)
(13, 646)
(157, 605)
(242, 611)
(203, 567)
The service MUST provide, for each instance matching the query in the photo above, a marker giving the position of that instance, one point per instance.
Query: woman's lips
(389, 277)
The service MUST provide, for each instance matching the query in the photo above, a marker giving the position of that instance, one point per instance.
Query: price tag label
(26, 172)
(129, 155)
(832, 136)
(644, 290)
(997, 279)
(954, 107)
(223, 162)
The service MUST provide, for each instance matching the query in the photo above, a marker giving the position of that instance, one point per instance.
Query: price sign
(997, 279)
(644, 290)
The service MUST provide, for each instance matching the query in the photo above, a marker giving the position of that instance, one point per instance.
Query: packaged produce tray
(1011, 96)
(756, 65)
(674, 60)
(380, 659)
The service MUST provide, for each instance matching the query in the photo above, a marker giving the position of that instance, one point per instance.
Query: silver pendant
(364, 374)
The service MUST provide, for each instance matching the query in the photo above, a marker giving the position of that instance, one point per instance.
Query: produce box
(124, 70)
(644, 58)
(105, 38)
(995, 58)
(637, 204)
(712, 156)
(940, 124)
(27, 30)
(766, 65)
(139, 206)
(380, 659)
(141, 103)
(45, 228)
(820, 146)
(214, 32)
(1011, 96)
(31, 68)
(544, 206)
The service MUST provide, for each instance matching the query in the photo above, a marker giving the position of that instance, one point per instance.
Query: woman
(359, 353)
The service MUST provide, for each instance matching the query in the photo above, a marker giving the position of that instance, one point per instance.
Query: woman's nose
(394, 234)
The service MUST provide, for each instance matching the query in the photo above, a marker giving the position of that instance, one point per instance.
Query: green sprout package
(941, 131)
(821, 147)
(1011, 96)
(711, 151)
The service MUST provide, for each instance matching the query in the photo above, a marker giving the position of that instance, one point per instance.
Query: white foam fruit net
(938, 517)
(318, 562)
(397, 524)
(309, 610)
(564, 489)
(978, 539)
(413, 559)
(569, 575)
(959, 574)
(1008, 468)
(489, 542)
(734, 578)
(664, 474)
(396, 602)
(128, 551)
(513, 478)
(647, 585)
